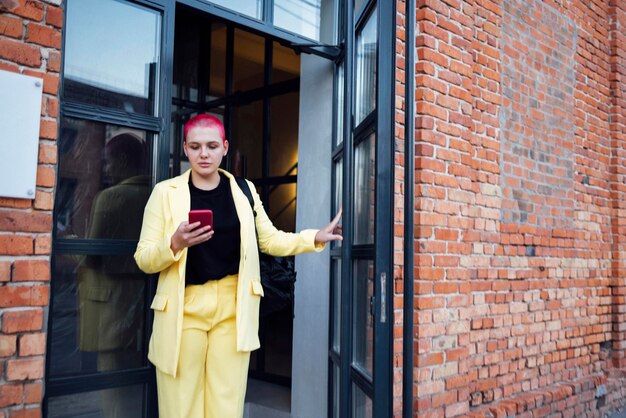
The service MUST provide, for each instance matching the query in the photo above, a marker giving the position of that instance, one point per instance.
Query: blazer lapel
(180, 199)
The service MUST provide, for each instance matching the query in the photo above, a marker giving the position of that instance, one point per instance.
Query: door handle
(383, 297)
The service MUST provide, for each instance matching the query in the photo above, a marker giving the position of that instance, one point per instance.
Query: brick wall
(519, 213)
(30, 41)
(399, 188)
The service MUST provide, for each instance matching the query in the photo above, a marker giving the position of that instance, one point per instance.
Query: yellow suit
(167, 207)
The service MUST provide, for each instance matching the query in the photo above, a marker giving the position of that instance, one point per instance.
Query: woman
(206, 308)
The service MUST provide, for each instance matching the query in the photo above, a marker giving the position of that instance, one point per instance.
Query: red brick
(31, 270)
(46, 176)
(10, 26)
(8, 344)
(33, 392)
(30, 9)
(44, 200)
(52, 107)
(26, 413)
(54, 61)
(25, 221)
(47, 153)
(32, 344)
(43, 35)
(10, 395)
(48, 129)
(5, 271)
(22, 320)
(18, 296)
(15, 203)
(25, 369)
(43, 244)
(15, 244)
(10, 67)
(20, 53)
(54, 16)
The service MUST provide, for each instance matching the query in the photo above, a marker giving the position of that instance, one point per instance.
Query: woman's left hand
(331, 232)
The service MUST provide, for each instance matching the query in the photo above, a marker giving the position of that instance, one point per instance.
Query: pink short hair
(204, 120)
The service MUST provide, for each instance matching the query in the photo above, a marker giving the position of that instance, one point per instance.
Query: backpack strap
(243, 185)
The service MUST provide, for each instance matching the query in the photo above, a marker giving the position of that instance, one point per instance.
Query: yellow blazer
(167, 207)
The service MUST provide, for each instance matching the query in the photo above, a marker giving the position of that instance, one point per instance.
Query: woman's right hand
(188, 235)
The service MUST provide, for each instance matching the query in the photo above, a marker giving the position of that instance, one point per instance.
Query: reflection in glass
(363, 326)
(284, 135)
(111, 54)
(282, 206)
(249, 59)
(97, 315)
(364, 188)
(247, 140)
(187, 40)
(217, 66)
(340, 103)
(338, 196)
(252, 8)
(104, 180)
(361, 403)
(285, 63)
(336, 301)
(314, 19)
(128, 402)
(365, 100)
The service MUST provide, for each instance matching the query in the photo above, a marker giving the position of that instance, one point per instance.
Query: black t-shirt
(219, 256)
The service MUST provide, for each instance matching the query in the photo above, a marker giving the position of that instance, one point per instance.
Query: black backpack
(278, 275)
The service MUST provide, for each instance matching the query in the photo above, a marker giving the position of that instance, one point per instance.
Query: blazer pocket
(257, 288)
(159, 303)
(98, 294)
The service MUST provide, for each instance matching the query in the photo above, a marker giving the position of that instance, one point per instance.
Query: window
(98, 319)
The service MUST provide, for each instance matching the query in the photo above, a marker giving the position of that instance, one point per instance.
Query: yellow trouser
(212, 374)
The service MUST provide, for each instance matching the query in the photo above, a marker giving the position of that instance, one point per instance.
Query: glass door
(110, 127)
(360, 363)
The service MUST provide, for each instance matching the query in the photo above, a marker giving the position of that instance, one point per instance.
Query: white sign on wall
(20, 108)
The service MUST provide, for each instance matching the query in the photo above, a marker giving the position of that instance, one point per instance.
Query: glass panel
(284, 136)
(104, 180)
(313, 19)
(247, 140)
(282, 206)
(249, 59)
(187, 47)
(336, 301)
(357, 5)
(124, 402)
(366, 70)
(285, 63)
(363, 325)
(361, 403)
(338, 196)
(365, 183)
(340, 103)
(335, 400)
(112, 55)
(253, 8)
(217, 77)
(97, 315)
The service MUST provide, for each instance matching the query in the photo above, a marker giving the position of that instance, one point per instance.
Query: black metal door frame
(381, 121)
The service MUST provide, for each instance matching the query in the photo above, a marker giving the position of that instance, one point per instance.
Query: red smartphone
(205, 217)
